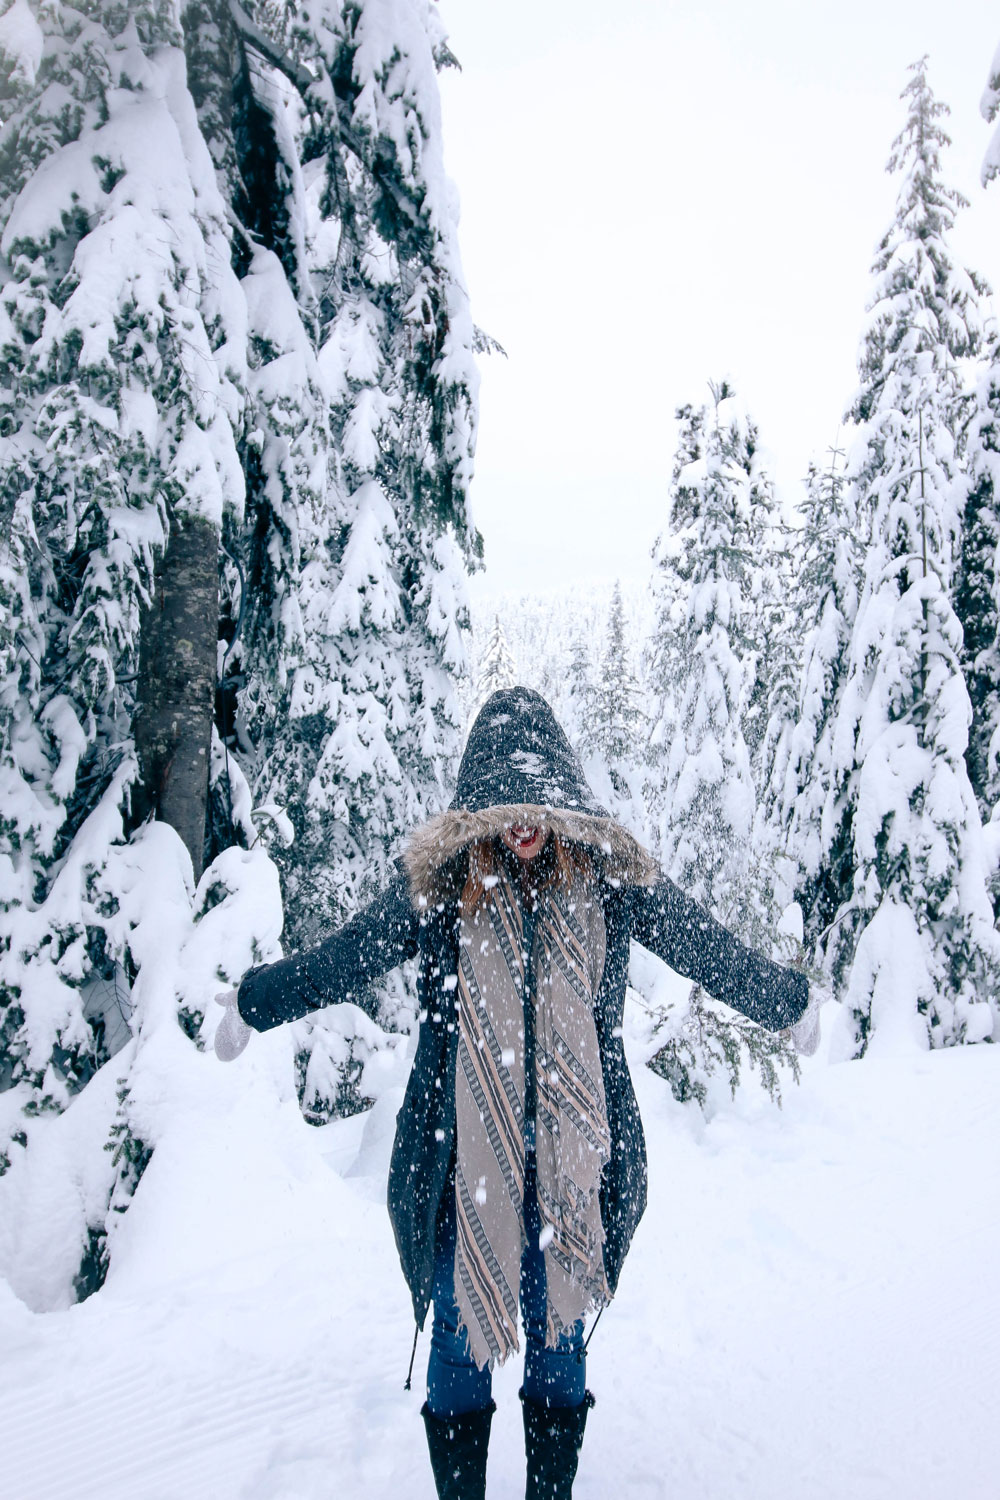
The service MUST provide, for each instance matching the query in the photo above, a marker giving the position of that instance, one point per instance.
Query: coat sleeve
(378, 939)
(690, 940)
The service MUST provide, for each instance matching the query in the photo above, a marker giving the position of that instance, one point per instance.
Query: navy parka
(517, 757)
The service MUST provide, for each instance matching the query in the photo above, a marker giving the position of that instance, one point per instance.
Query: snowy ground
(810, 1310)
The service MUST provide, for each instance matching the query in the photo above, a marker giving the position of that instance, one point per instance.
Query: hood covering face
(519, 767)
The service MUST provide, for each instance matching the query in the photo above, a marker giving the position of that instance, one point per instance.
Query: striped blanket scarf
(571, 1137)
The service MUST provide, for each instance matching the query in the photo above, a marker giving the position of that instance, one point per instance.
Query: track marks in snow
(130, 1433)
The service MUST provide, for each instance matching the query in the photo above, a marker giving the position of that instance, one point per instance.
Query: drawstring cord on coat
(581, 1352)
(413, 1354)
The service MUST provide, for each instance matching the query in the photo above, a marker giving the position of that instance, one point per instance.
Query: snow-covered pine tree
(580, 694)
(358, 453)
(706, 660)
(709, 794)
(771, 658)
(359, 442)
(161, 352)
(496, 669)
(977, 595)
(120, 390)
(977, 587)
(809, 818)
(774, 702)
(763, 634)
(360, 729)
(248, 93)
(915, 941)
(618, 708)
(613, 738)
(663, 658)
(768, 541)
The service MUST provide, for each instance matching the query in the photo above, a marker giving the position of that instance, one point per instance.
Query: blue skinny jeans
(552, 1377)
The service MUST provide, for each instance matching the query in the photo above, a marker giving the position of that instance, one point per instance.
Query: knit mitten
(232, 1032)
(804, 1035)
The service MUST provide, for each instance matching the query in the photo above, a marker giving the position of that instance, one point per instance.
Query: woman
(518, 1171)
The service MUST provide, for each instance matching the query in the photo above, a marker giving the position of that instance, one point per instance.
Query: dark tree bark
(176, 690)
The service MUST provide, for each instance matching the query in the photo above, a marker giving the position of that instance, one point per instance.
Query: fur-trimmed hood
(518, 767)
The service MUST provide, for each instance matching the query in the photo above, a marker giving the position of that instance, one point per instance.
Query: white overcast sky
(657, 194)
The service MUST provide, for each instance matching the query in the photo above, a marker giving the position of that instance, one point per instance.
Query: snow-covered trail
(811, 1310)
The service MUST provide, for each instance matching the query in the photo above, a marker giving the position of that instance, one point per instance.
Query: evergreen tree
(358, 533)
(977, 588)
(497, 669)
(770, 655)
(234, 342)
(664, 662)
(581, 705)
(769, 581)
(709, 793)
(977, 596)
(808, 811)
(709, 650)
(615, 727)
(772, 884)
(763, 629)
(120, 390)
(913, 944)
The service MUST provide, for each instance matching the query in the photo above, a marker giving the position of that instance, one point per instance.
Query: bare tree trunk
(176, 697)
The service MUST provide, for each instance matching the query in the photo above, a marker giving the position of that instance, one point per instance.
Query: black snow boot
(553, 1437)
(457, 1446)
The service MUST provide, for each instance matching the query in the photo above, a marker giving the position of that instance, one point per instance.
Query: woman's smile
(523, 841)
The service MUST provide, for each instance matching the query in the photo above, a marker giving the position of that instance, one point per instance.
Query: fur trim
(436, 872)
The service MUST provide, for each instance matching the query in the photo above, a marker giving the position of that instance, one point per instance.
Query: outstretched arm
(378, 939)
(690, 940)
